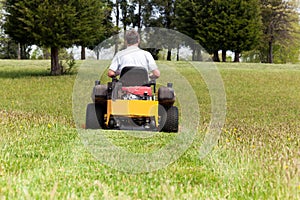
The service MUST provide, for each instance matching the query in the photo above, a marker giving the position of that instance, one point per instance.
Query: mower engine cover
(166, 95)
(99, 93)
(138, 90)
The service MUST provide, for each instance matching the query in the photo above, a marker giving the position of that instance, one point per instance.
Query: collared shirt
(133, 56)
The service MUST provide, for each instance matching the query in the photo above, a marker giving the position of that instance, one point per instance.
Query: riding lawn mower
(132, 103)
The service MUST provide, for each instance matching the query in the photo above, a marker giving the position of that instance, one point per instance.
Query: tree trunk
(198, 55)
(139, 17)
(19, 51)
(7, 51)
(193, 54)
(223, 55)
(236, 56)
(56, 68)
(169, 55)
(97, 53)
(270, 53)
(116, 37)
(22, 49)
(216, 56)
(177, 57)
(82, 53)
(124, 36)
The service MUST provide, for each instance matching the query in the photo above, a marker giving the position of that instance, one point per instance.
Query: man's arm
(155, 74)
(111, 73)
(113, 69)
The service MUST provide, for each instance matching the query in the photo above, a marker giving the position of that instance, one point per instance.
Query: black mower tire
(162, 113)
(94, 116)
(171, 121)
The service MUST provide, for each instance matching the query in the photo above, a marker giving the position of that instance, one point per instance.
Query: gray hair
(132, 37)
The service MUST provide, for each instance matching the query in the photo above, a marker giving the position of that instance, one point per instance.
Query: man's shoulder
(133, 51)
(127, 51)
(145, 52)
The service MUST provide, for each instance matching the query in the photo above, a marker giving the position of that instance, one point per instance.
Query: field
(257, 155)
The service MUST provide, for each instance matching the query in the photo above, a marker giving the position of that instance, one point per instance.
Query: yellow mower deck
(132, 108)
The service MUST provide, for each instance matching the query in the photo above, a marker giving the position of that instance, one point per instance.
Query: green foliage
(69, 66)
(184, 19)
(186, 23)
(50, 24)
(36, 54)
(251, 56)
(55, 24)
(242, 26)
(227, 25)
(94, 22)
(166, 12)
(13, 25)
(286, 54)
(281, 31)
(8, 48)
(238, 25)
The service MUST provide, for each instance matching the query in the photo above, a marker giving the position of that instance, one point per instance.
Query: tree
(101, 32)
(280, 20)
(117, 16)
(185, 22)
(147, 13)
(227, 25)
(166, 9)
(8, 48)
(53, 24)
(137, 20)
(243, 26)
(135, 14)
(20, 43)
(108, 29)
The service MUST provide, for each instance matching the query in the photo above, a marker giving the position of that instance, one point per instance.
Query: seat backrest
(134, 76)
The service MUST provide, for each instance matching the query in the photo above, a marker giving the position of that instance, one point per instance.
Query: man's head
(132, 37)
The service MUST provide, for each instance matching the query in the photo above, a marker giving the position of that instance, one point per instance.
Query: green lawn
(257, 155)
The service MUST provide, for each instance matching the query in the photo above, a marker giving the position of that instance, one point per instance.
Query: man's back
(133, 56)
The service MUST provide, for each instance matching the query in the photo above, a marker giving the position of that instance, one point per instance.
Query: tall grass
(257, 156)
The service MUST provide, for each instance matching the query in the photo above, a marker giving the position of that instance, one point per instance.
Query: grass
(257, 155)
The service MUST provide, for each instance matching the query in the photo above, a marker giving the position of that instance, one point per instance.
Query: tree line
(254, 30)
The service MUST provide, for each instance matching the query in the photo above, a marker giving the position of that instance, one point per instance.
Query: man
(133, 56)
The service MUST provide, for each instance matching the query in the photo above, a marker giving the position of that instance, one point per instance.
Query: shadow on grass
(19, 73)
(28, 73)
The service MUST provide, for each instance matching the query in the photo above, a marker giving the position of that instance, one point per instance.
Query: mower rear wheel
(94, 116)
(171, 123)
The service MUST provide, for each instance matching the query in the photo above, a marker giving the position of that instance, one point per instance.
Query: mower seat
(134, 76)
